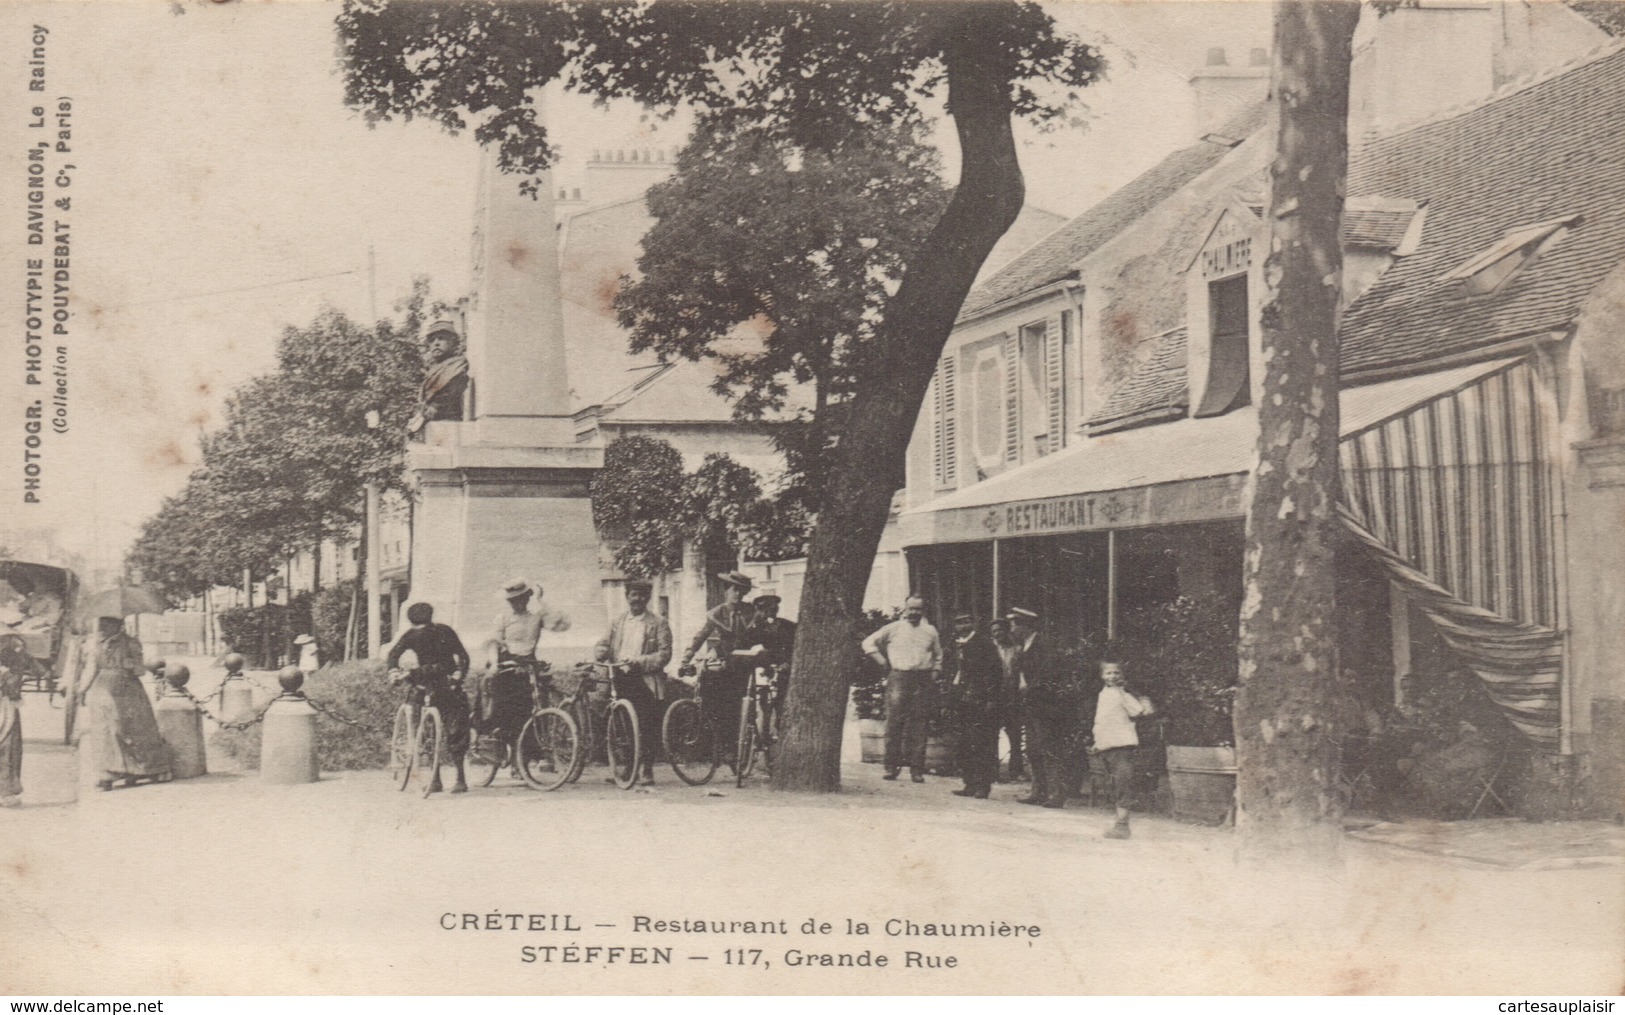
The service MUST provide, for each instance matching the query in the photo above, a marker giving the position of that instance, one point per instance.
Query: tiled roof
(1152, 391)
(1056, 256)
(1533, 153)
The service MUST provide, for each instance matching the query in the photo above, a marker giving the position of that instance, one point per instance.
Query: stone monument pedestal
(507, 498)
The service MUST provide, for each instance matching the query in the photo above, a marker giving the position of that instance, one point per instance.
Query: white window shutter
(1012, 399)
(948, 416)
(935, 400)
(1054, 382)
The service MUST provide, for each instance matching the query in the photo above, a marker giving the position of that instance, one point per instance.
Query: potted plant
(869, 695)
(942, 729)
(1184, 659)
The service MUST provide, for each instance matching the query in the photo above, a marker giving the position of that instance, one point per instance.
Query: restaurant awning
(1190, 470)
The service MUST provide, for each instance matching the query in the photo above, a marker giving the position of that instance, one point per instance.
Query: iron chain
(333, 713)
(239, 725)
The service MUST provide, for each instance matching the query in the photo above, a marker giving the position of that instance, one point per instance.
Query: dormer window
(1229, 382)
(1218, 311)
(1494, 268)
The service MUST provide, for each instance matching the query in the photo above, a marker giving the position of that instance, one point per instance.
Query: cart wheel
(400, 747)
(623, 743)
(548, 747)
(689, 745)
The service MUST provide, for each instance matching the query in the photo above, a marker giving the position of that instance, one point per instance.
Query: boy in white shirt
(1116, 739)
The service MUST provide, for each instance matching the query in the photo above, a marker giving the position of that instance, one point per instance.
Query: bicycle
(489, 751)
(555, 743)
(692, 746)
(418, 739)
(756, 712)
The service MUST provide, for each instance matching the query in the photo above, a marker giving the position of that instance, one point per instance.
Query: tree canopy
(286, 468)
(776, 260)
(646, 507)
(800, 69)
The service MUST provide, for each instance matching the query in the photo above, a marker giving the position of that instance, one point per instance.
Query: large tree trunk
(868, 463)
(1286, 731)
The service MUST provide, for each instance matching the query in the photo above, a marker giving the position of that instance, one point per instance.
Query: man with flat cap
(728, 624)
(775, 638)
(911, 651)
(978, 690)
(640, 641)
(1035, 685)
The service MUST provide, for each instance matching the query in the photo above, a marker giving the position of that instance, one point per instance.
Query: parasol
(121, 601)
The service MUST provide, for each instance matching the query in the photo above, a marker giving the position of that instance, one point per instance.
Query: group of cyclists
(732, 676)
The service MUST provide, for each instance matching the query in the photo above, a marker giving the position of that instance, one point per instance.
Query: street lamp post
(374, 627)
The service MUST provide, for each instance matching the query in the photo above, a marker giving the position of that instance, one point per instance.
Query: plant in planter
(869, 694)
(942, 728)
(1184, 659)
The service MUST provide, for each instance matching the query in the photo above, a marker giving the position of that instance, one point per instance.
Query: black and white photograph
(813, 497)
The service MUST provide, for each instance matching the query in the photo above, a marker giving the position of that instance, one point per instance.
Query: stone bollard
(236, 694)
(181, 726)
(288, 743)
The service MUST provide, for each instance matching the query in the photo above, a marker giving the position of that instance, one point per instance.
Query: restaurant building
(1087, 442)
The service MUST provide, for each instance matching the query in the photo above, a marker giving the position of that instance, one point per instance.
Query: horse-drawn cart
(37, 607)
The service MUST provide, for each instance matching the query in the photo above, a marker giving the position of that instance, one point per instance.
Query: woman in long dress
(121, 733)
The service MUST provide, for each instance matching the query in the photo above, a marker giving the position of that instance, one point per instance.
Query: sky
(221, 192)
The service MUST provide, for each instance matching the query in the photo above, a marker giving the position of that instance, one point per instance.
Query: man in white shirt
(640, 640)
(911, 651)
(1116, 739)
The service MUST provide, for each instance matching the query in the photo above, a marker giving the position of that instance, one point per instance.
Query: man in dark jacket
(1037, 685)
(976, 686)
(442, 665)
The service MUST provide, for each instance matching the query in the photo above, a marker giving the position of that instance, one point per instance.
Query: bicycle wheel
(746, 745)
(689, 745)
(428, 750)
(400, 747)
(548, 747)
(623, 743)
(487, 753)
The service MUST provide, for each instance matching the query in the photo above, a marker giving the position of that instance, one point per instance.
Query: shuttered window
(1054, 383)
(945, 422)
(1012, 400)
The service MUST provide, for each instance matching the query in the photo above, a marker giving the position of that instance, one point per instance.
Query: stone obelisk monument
(504, 493)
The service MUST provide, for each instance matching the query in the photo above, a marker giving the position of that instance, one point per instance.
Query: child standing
(1116, 738)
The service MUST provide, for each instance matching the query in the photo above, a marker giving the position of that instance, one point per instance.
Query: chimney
(1222, 89)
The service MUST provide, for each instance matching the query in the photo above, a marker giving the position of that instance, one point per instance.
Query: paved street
(223, 884)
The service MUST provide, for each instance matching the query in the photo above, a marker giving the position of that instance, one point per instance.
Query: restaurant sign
(1195, 500)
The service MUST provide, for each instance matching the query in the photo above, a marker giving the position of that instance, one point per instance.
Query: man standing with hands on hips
(911, 651)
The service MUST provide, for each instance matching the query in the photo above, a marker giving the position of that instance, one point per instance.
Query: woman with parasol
(120, 733)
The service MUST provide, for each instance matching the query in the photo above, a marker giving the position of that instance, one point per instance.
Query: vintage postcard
(733, 498)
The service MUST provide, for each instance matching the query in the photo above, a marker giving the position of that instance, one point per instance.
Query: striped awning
(1454, 495)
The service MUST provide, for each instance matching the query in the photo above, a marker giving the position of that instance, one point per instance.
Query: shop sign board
(1195, 500)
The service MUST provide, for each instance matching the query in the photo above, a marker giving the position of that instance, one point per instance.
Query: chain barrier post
(288, 742)
(180, 724)
(236, 694)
